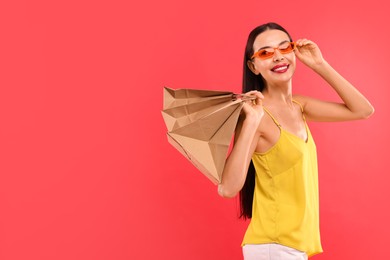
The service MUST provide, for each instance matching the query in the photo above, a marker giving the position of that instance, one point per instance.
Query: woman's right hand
(253, 108)
(245, 141)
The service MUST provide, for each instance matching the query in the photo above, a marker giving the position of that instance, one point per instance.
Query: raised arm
(245, 141)
(354, 106)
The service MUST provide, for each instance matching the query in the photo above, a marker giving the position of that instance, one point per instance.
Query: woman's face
(279, 68)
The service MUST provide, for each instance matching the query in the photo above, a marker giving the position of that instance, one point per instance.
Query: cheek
(292, 61)
(263, 66)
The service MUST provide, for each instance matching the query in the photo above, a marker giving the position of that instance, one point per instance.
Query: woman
(273, 164)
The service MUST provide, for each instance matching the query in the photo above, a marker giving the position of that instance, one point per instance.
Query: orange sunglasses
(267, 53)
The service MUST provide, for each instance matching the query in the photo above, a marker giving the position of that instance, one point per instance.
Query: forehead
(270, 38)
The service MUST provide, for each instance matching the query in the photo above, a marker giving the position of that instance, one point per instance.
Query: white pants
(271, 252)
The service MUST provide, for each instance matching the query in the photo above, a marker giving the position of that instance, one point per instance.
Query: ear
(252, 67)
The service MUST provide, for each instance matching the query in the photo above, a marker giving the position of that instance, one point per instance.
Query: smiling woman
(273, 163)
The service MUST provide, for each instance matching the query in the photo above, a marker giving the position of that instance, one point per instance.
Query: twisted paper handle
(243, 97)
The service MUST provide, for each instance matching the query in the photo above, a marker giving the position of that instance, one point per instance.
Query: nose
(277, 55)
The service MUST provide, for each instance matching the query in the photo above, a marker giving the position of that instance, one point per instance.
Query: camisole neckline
(288, 132)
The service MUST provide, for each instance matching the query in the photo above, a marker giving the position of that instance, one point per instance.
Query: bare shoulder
(303, 100)
(312, 108)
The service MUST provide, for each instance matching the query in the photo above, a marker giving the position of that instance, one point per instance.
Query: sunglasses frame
(282, 51)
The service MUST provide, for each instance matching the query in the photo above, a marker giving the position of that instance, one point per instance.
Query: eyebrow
(265, 47)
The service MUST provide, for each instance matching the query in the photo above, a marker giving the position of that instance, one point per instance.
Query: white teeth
(280, 68)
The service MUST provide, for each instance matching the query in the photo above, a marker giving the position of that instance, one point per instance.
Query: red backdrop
(86, 171)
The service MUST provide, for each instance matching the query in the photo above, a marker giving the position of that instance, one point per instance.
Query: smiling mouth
(281, 68)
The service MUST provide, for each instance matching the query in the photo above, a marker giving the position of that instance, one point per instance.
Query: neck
(278, 93)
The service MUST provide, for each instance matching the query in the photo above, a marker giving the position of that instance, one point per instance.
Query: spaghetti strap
(273, 118)
(300, 105)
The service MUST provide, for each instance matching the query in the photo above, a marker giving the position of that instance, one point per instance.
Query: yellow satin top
(285, 202)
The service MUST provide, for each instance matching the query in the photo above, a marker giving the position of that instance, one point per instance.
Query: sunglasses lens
(286, 48)
(266, 53)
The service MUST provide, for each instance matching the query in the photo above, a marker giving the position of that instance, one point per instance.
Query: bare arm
(355, 105)
(246, 138)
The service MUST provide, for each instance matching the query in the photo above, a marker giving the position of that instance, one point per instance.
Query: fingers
(254, 93)
(308, 52)
(303, 42)
(253, 97)
(259, 98)
(253, 106)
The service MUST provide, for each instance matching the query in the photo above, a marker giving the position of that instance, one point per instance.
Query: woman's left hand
(309, 53)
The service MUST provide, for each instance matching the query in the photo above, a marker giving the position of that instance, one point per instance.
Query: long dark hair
(250, 82)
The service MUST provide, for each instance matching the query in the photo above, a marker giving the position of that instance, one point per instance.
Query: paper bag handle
(243, 97)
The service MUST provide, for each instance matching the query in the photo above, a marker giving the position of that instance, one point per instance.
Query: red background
(86, 171)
